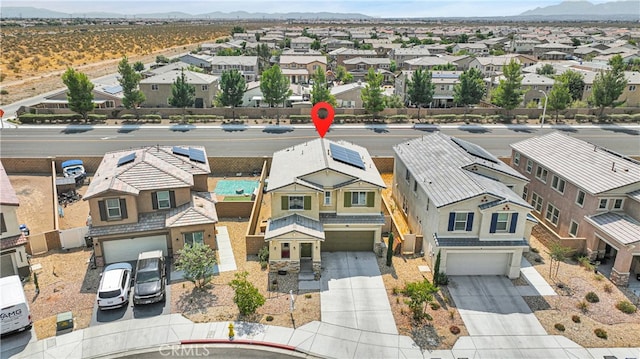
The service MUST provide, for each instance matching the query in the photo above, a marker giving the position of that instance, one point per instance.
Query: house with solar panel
(325, 197)
(464, 203)
(103, 97)
(150, 198)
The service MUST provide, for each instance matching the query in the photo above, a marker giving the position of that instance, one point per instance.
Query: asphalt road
(243, 141)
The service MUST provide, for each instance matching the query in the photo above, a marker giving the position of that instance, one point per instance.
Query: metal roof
(476, 242)
(588, 166)
(294, 223)
(623, 228)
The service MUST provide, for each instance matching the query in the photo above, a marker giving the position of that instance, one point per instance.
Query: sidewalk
(315, 338)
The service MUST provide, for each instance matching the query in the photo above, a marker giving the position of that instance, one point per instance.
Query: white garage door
(477, 263)
(124, 250)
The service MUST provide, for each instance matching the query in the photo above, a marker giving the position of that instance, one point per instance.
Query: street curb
(239, 341)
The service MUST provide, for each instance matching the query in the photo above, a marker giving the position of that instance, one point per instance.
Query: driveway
(353, 294)
(15, 343)
(491, 305)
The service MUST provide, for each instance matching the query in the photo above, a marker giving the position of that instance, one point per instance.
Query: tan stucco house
(151, 198)
(325, 196)
(465, 203)
(13, 255)
(157, 89)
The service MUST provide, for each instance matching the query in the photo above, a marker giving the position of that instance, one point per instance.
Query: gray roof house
(157, 89)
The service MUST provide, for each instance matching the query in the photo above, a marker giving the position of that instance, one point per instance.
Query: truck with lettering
(15, 315)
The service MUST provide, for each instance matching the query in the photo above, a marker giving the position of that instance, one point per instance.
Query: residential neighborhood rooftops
(588, 166)
(234, 60)
(8, 195)
(618, 225)
(194, 78)
(293, 59)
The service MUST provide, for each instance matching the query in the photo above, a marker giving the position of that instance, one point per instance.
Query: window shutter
(103, 210)
(452, 220)
(371, 199)
(154, 200)
(172, 199)
(347, 199)
(123, 208)
(469, 221)
(3, 225)
(514, 223)
(285, 202)
(494, 221)
(307, 203)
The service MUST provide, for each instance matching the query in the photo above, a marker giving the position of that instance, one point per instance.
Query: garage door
(477, 263)
(340, 241)
(6, 265)
(124, 250)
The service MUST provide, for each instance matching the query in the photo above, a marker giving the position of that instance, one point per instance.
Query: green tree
(446, 67)
(371, 94)
(393, 101)
(420, 89)
(275, 88)
(462, 39)
(320, 91)
(161, 59)
(470, 89)
(237, 30)
(559, 98)
(316, 45)
(557, 253)
(197, 261)
(264, 55)
(546, 69)
(138, 66)
(575, 42)
(129, 80)
(420, 293)
(232, 88)
(574, 81)
(609, 85)
(79, 92)
(343, 76)
(393, 66)
(508, 94)
(390, 249)
(247, 297)
(182, 93)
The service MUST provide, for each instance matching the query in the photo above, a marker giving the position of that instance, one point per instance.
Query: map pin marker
(322, 123)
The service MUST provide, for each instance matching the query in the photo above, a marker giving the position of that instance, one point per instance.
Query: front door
(199, 103)
(305, 250)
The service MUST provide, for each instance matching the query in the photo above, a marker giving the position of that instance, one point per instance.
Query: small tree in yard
(138, 66)
(559, 98)
(420, 89)
(508, 94)
(232, 88)
(436, 270)
(247, 297)
(390, 250)
(197, 262)
(469, 90)
(129, 80)
(371, 94)
(609, 85)
(182, 93)
(320, 91)
(557, 253)
(79, 94)
(420, 293)
(275, 88)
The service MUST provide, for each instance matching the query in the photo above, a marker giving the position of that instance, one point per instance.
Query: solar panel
(112, 90)
(346, 156)
(197, 155)
(126, 159)
(180, 151)
(475, 150)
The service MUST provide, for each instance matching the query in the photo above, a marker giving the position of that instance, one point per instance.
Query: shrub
(128, 116)
(584, 118)
(399, 118)
(452, 313)
(559, 326)
(583, 306)
(608, 288)
(263, 265)
(428, 316)
(592, 297)
(601, 333)
(599, 277)
(444, 117)
(435, 305)
(308, 295)
(454, 330)
(263, 254)
(152, 117)
(626, 307)
(535, 250)
(586, 263)
(575, 318)
(4, 92)
(395, 290)
(300, 118)
(269, 318)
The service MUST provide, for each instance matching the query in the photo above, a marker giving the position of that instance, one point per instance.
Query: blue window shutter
(452, 220)
(514, 223)
(494, 221)
(469, 221)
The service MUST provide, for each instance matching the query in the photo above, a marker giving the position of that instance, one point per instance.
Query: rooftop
(618, 225)
(7, 194)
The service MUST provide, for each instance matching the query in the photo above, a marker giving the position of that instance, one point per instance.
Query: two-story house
(630, 95)
(299, 69)
(465, 203)
(400, 55)
(444, 82)
(587, 196)
(157, 89)
(359, 66)
(325, 196)
(246, 65)
(151, 198)
(13, 256)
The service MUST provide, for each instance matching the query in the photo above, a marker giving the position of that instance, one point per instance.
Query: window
(502, 222)
(516, 159)
(205, 87)
(192, 238)
(113, 208)
(296, 202)
(573, 229)
(580, 198)
(415, 185)
(529, 166)
(3, 224)
(327, 198)
(632, 87)
(604, 203)
(460, 221)
(541, 174)
(525, 193)
(536, 202)
(553, 214)
(358, 198)
(163, 199)
(617, 203)
(407, 176)
(558, 184)
(285, 252)
(154, 87)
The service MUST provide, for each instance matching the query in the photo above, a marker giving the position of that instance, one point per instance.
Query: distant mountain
(31, 12)
(579, 8)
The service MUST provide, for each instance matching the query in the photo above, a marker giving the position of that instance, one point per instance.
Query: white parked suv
(114, 286)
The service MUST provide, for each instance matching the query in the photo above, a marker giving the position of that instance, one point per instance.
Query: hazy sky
(378, 8)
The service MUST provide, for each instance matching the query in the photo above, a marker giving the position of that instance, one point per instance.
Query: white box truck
(15, 315)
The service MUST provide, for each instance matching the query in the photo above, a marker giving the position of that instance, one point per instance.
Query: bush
(635, 117)
(399, 118)
(4, 92)
(395, 290)
(601, 333)
(454, 330)
(586, 263)
(308, 295)
(535, 250)
(263, 265)
(620, 117)
(559, 326)
(428, 316)
(583, 306)
(128, 116)
(37, 118)
(444, 117)
(152, 117)
(608, 288)
(599, 277)
(473, 118)
(263, 254)
(626, 307)
(592, 297)
(435, 305)
(300, 118)
(575, 318)
(269, 318)
(584, 118)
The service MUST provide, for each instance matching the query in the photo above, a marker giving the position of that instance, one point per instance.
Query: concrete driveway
(491, 305)
(353, 294)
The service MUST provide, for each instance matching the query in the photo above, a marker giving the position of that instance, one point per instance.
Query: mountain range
(581, 7)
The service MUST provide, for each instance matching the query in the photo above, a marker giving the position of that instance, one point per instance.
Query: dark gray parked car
(149, 283)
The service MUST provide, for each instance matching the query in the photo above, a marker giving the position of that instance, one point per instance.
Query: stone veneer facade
(617, 278)
(286, 265)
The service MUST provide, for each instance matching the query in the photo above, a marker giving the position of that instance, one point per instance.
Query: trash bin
(64, 323)
(24, 229)
(88, 241)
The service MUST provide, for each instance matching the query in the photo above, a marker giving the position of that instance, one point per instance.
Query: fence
(74, 237)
